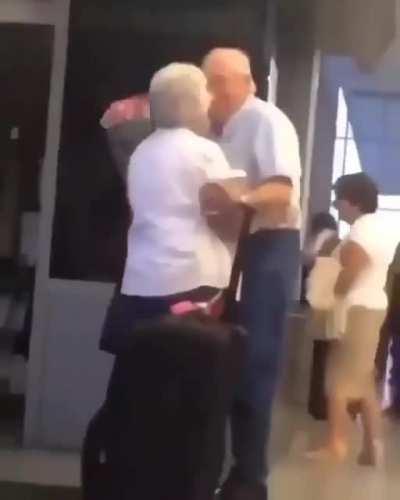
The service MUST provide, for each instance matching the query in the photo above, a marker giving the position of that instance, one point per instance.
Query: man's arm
(277, 157)
(275, 191)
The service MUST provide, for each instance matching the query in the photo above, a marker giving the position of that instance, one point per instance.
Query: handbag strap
(237, 266)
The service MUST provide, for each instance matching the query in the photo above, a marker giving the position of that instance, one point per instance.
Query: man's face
(228, 92)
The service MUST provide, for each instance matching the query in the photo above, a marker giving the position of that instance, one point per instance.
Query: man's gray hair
(177, 94)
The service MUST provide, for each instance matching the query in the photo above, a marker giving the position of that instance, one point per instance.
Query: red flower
(134, 108)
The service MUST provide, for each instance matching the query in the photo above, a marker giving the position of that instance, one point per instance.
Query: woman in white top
(173, 255)
(365, 256)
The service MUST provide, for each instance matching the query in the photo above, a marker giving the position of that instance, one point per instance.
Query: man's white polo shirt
(261, 140)
(171, 249)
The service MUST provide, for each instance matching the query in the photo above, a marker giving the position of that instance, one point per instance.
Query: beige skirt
(351, 364)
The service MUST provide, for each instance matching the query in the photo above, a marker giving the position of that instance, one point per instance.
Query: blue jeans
(271, 270)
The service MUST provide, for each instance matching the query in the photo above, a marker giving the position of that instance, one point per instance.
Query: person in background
(391, 336)
(322, 241)
(323, 237)
(260, 139)
(361, 303)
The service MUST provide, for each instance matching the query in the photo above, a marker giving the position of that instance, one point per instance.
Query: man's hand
(220, 206)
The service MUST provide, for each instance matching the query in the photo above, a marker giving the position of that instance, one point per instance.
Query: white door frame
(53, 13)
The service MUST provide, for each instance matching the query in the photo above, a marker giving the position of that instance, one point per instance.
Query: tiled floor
(39, 467)
(293, 477)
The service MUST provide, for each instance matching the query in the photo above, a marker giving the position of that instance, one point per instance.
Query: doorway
(25, 69)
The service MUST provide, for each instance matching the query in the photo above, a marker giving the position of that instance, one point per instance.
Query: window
(368, 140)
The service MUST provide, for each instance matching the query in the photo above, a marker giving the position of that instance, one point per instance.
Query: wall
(26, 55)
(9, 205)
(30, 12)
(74, 373)
(321, 174)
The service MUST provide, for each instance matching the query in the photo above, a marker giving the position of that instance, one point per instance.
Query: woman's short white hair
(178, 94)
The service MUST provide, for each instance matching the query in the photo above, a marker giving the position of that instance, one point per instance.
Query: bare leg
(372, 450)
(338, 420)
(337, 446)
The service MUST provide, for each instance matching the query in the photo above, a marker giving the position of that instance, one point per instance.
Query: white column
(310, 136)
(36, 373)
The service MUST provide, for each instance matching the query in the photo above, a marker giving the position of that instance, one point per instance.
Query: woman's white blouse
(171, 249)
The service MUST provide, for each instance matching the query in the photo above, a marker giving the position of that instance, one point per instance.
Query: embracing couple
(209, 127)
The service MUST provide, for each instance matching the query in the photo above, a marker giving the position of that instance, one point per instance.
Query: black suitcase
(160, 436)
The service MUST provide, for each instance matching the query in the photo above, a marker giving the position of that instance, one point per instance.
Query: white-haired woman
(173, 254)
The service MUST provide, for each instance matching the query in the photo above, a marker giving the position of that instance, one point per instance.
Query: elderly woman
(173, 255)
(365, 256)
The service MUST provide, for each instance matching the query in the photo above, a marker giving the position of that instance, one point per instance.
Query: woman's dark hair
(322, 221)
(359, 190)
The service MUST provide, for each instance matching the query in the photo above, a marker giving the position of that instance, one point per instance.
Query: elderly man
(258, 138)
